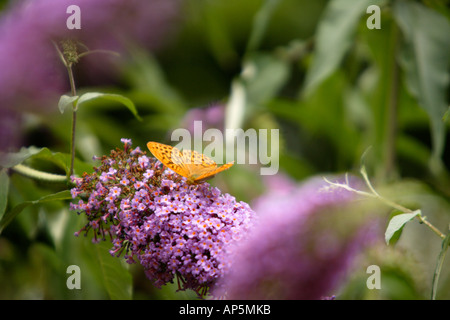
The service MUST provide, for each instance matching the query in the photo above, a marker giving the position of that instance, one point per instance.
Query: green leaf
(148, 79)
(261, 23)
(397, 223)
(4, 188)
(12, 159)
(439, 263)
(62, 160)
(334, 38)
(264, 75)
(115, 274)
(66, 102)
(10, 215)
(110, 96)
(425, 59)
(9, 160)
(446, 115)
(396, 235)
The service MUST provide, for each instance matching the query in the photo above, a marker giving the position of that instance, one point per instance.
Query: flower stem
(98, 51)
(392, 107)
(376, 195)
(401, 208)
(74, 119)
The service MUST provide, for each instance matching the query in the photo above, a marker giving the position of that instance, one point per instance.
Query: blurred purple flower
(302, 247)
(32, 76)
(173, 229)
(278, 184)
(9, 129)
(211, 116)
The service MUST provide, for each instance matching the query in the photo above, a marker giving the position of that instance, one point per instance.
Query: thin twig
(386, 201)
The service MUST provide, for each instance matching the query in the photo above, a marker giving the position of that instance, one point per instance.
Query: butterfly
(194, 166)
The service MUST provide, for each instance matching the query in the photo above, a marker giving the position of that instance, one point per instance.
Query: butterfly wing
(196, 164)
(196, 159)
(211, 172)
(169, 156)
(200, 167)
(190, 164)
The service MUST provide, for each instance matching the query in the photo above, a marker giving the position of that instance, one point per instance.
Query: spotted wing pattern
(190, 164)
(169, 156)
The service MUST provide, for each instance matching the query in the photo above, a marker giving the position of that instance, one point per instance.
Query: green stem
(38, 175)
(98, 51)
(399, 207)
(429, 225)
(260, 24)
(392, 105)
(421, 218)
(439, 264)
(388, 202)
(74, 120)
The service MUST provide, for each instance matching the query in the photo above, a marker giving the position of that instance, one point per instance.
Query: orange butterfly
(194, 166)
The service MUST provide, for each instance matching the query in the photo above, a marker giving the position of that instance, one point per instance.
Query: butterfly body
(194, 166)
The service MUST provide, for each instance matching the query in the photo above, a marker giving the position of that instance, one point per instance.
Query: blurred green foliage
(331, 85)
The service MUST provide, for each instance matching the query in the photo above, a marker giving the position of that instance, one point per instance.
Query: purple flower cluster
(150, 213)
(302, 247)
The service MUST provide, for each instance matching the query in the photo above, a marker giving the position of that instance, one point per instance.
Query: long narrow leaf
(10, 215)
(116, 277)
(334, 37)
(440, 262)
(261, 23)
(425, 60)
